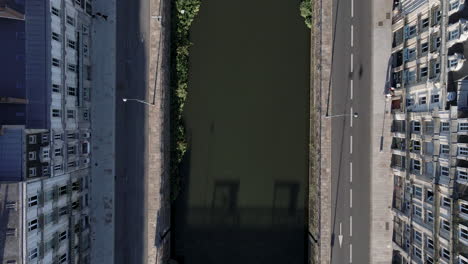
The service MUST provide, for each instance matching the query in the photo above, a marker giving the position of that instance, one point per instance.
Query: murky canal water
(246, 171)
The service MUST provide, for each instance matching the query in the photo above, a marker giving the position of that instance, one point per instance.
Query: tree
(306, 12)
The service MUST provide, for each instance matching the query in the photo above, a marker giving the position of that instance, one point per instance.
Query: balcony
(398, 162)
(399, 144)
(399, 126)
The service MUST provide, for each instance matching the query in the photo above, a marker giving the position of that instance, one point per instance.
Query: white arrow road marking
(340, 237)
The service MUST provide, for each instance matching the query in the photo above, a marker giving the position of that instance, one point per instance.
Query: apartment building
(430, 131)
(45, 131)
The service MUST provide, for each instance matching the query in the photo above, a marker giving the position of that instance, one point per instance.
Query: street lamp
(355, 115)
(136, 100)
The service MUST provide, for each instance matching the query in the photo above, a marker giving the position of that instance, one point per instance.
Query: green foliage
(183, 14)
(306, 12)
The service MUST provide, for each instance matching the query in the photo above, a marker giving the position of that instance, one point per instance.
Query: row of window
(57, 12)
(32, 139)
(435, 98)
(70, 67)
(444, 126)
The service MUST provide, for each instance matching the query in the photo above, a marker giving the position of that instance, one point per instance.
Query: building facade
(430, 131)
(45, 122)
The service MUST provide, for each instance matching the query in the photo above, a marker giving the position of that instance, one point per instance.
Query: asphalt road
(131, 123)
(351, 138)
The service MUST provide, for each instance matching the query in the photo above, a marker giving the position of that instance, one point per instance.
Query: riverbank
(319, 199)
(183, 14)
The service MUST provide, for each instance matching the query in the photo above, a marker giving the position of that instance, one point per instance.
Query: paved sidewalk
(381, 176)
(158, 189)
(103, 134)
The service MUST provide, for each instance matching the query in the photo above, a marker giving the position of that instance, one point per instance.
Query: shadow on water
(243, 197)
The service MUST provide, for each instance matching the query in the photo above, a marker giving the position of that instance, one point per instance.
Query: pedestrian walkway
(381, 176)
(103, 134)
(158, 190)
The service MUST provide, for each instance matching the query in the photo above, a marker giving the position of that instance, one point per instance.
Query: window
(429, 196)
(70, 113)
(71, 44)
(453, 34)
(45, 171)
(444, 149)
(63, 190)
(71, 67)
(71, 164)
(417, 253)
(437, 68)
(58, 152)
(410, 31)
(55, 88)
(45, 153)
(71, 91)
(462, 260)
(55, 62)
(58, 136)
(445, 202)
(416, 126)
(463, 126)
(32, 139)
(435, 98)
(429, 217)
(416, 145)
(32, 201)
(422, 100)
(56, 36)
(32, 155)
(33, 253)
(417, 192)
(424, 47)
(423, 72)
(444, 171)
(85, 50)
(63, 211)
(63, 258)
(86, 114)
(409, 101)
(71, 150)
(417, 236)
(32, 172)
(55, 112)
(416, 165)
(429, 260)
(70, 20)
(445, 225)
(463, 232)
(453, 5)
(417, 211)
(71, 135)
(425, 22)
(463, 151)
(462, 175)
(429, 243)
(45, 137)
(445, 254)
(464, 208)
(55, 11)
(63, 235)
(32, 225)
(58, 167)
(453, 63)
(445, 126)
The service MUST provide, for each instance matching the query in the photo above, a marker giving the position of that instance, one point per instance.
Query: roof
(11, 154)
